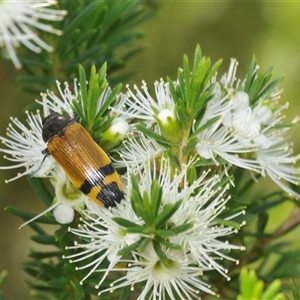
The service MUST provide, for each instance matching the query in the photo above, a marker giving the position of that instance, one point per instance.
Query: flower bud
(114, 134)
(169, 125)
(63, 214)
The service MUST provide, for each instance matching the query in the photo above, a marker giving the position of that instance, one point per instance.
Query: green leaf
(3, 276)
(258, 289)
(256, 86)
(168, 244)
(174, 230)
(125, 293)
(272, 290)
(262, 221)
(205, 126)
(42, 255)
(130, 248)
(192, 174)
(182, 116)
(139, 230)
(57, 282)
(50, 270)
(161, 255)
(61, 232)
(184, 79)
(44, 239)
(208, 162)
(81, 18)
(136, 198)
(92, 97)
(156, 197)
(166, 213)
(79, 293)
(228, 223)
(150, 133)
(126, 223)
(213, 70)
(182, 228)
(269, 88)
(295, 290)
(266, 205)
(31, 271)
(109, 100)
(145, 242)
(250, 74)
(164, 233)
(248, 280)
(147, 209)
(25, 215)
(138, 206)
(83, 86)
(191, 146)
(41, 190)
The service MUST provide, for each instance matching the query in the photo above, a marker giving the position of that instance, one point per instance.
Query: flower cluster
(176, 219)
(245, 133)
(19, 21)
(195, 248)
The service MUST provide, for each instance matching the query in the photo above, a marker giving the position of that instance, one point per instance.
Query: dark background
(270, 30)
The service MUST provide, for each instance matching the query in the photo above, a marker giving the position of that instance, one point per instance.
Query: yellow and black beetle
(85, 163)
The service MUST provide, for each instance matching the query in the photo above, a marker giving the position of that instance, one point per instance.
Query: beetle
(86, 164)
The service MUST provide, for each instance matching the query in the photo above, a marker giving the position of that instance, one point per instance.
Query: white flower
(218, 140)
(19, 21)
(138, 150)
(247, 135)
(67, 198)
(278, 162)
(25, 146)
(53, 103)
(141, 105)
(179, 279)
(201, 250)
(106, 237)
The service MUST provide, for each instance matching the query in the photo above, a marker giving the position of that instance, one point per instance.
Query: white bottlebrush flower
(106, 237)
(201, 250)
(278, 162)
(219, 141)
(138, 150)
(63, 102)
(247, 135)
(24, 147)
(67, 198)
(25, 144)
(179, 279)
(141, 105)
(19, 22)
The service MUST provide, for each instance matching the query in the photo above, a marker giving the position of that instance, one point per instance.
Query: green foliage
(94, 117)
(94, 35)
(91, 46)
(194, 89)
(257, 85)
(252, 288)
(3, 276)
(110, 27)
(157, 226)
(54, 277)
